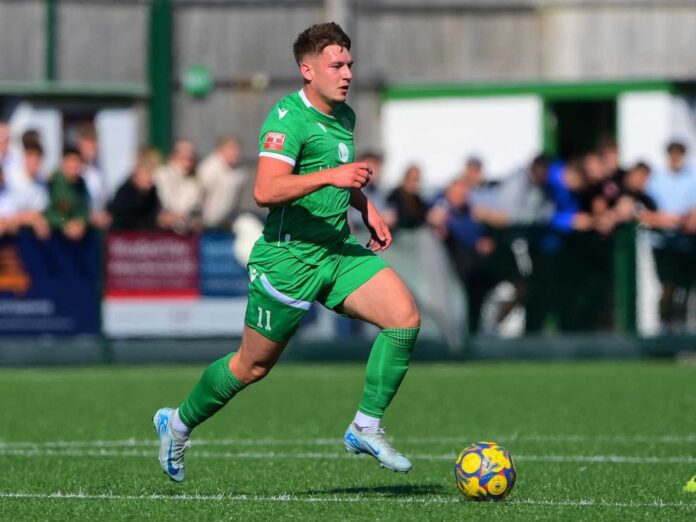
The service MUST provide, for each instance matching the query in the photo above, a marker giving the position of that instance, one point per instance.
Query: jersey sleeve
(281, 135)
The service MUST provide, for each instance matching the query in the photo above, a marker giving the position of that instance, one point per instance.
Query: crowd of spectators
(549, 228)
(546, 229)
(179, 194)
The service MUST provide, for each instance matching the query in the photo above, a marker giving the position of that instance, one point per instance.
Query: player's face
(329, 74)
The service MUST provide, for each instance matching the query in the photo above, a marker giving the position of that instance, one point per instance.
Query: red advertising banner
(151, 264)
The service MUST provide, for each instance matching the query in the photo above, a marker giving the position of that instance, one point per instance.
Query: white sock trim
(366, 423)
(178, 425)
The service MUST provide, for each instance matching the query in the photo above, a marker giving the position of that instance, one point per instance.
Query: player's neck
(317, 102)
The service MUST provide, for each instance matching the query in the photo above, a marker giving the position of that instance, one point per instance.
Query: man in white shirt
(29, 191)
(27, 182)
(178, 188)
(221, 180)
(88, 145)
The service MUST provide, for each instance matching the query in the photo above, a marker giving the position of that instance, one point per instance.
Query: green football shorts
(282, 287)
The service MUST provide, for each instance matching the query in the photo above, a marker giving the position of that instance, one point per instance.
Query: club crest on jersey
(343, 152)
(274, 141)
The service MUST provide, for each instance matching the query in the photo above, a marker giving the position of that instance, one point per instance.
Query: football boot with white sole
(172, 445)
(376, 445)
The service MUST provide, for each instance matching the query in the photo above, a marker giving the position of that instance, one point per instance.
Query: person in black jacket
(136, 205)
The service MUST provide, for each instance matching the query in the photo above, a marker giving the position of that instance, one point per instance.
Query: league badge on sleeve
(274, 141)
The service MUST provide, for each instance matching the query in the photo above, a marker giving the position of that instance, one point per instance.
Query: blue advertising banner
(220, 272)
(49, 287)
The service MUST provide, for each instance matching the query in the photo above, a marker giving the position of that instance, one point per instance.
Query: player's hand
(351, 175)
(380, 234)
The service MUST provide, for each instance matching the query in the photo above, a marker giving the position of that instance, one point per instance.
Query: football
(484, 471)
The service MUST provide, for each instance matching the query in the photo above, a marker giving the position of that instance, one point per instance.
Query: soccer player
(307, 178)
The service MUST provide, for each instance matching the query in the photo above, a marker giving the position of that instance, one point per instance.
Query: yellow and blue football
(485, 471)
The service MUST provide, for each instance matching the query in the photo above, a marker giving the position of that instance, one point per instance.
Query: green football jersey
(299, 134)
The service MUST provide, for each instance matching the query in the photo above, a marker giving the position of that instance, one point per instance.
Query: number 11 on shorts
(268, 319)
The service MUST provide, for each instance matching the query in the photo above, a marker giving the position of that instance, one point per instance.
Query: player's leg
(385, 302)
(220, 382)
(368, 289)
(281, 289)
(227, 376)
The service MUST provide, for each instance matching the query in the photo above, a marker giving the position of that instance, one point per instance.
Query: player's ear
(306, 72)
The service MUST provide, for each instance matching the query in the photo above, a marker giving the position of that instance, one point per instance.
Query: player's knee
(407, 316)
(257, 372)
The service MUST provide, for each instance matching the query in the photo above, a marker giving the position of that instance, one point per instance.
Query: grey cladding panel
(620, 43)
(457, 47)
(21, 41)
(238, 42)
(102, 42)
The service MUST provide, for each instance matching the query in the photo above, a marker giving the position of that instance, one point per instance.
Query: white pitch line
(276, 455)
(657, 504)
(459, 440)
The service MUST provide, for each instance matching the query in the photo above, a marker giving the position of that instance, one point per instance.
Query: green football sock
(386, 367)
(215, 388)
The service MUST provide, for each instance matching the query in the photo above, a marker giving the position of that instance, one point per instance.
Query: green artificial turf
(592, 441)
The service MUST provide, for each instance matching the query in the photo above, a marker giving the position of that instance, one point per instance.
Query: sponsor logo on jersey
(274, 141)
(282, 113)
(343, 152)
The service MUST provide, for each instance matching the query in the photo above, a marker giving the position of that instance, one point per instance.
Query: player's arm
(358, 200)
(277, 185)
(379, 231)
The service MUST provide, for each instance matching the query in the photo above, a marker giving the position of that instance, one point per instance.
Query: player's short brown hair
(314, 39)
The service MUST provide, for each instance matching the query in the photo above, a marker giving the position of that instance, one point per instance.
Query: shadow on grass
(393, 491)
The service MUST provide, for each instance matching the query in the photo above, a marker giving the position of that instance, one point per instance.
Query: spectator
(373, 191)
(30, 191)
(601, 194)
(136, 205)
(466, 244)
(31, 137)
(481, 192)
(221, 180)
(8, 158)
(635, 203)
(410, 209)
(674, 189)
(521, 199)
(94, 177)
(609, 156)
(584, 296)
(566, 185)
(68, 206)
(7, 207)
(178, 187)
(674, 192)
